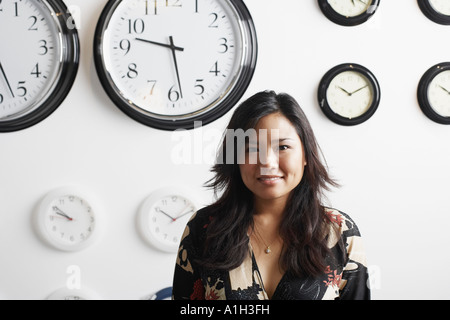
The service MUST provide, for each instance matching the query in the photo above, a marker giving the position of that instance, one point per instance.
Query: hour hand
(444, 89)
(165, 45)
(61, 213)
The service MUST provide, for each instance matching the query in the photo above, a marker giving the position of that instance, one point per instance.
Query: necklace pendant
(267, 251)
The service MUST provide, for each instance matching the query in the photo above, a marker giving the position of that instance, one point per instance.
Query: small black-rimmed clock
(349, 94)
(38, 60)
(349, 12)
(169, 63)
(436, 10)
(433, 93)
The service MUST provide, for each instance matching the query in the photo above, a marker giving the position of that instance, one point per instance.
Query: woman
(268, 236)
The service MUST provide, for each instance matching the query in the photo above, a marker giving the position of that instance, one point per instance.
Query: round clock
(38, 60)
(67, 219)
(163, 216)
(433, 93)
(349, 94)
(74, 294)
(436, 10)
(163, 294)
(168, 63)
(349, 12)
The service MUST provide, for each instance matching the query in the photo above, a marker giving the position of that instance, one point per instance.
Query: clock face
(441, 6)
(349, 94)
(348, 12)
(168, 63)
(163, 218)
(439, 93)
(433, 93)
(436, 10)
(350, 8)
(67, 220)
(38, 60)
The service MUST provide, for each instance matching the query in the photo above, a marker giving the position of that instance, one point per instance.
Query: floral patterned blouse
(345, 277)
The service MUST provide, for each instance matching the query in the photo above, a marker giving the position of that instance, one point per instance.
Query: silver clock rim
(217, 108)
(64, 76)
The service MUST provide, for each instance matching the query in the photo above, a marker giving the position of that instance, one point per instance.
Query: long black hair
(304, 224)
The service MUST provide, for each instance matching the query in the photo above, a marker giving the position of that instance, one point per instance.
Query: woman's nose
(268, 159)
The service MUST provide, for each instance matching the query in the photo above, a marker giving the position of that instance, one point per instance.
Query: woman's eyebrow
(285, 139)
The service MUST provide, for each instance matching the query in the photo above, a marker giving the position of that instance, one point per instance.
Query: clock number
(224, 45)
(43, 47)
(214, 23)
(174, 96)
(23, 89)
(16, 9)
(132, 72)
(215, 69)
(153, 86)
(33, 28)
(199, 86)
(36, 71)
(1, 98)
(138, 26)
(125, 45)
(196, 6)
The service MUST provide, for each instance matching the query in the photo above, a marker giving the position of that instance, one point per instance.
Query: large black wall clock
(436, 10)
(433, 93)
(349, 12)
(349, 94)
(39, 58)
(168, 63)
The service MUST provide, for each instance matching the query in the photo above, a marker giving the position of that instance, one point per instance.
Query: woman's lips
(269, 180)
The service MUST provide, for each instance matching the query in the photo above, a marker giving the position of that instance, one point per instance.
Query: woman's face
(274, 159)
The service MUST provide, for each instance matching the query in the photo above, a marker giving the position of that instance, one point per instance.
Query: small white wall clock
(433, 93)
(68, 219)
(349, 12)
(168, 63)
(39, 59)
(74, 294)
(163, 216)
(349, 94)
(436, 10)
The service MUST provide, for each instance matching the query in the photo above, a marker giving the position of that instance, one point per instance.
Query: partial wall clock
(68, 219)
(38, 60)
(163, 216)
(349, 94)
(349, 12)
(168, 63)
(436, 10)
(433, 93)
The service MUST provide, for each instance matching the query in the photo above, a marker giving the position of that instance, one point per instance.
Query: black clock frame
(432, 14)
(325, 83)
(69, 68)
(145, 117)
(337, 18)
(422, 92)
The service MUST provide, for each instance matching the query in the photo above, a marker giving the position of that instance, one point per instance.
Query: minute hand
(169, 46)
(358, 90)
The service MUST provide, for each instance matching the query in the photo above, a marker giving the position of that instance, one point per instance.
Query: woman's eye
(284, 147)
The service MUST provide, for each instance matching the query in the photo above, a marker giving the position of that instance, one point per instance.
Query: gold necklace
(267, 250)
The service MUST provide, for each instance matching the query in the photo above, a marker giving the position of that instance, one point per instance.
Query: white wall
(394, 169)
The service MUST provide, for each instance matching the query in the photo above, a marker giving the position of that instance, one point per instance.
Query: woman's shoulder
(199, 222)
(342, 221)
